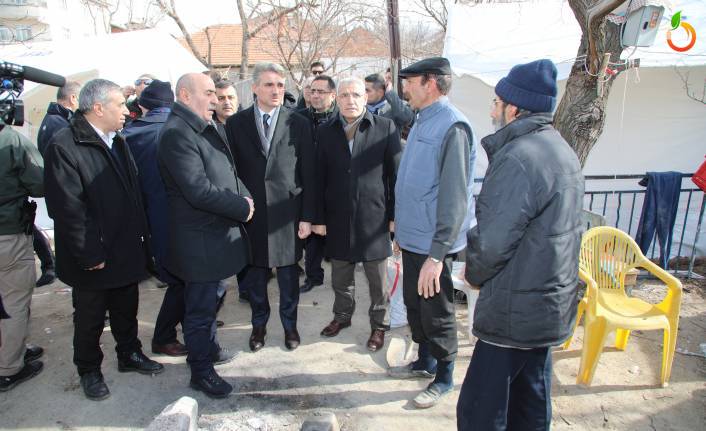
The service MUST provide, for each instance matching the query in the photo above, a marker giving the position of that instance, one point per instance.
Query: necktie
(266, 124)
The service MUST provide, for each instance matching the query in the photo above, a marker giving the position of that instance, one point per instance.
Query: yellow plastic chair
(607, 255)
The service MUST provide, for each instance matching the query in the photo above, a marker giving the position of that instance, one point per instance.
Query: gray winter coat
(524, 251)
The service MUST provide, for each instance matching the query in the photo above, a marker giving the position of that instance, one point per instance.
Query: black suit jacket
(356, 191)
(281, 183)
(93, 195)
(205, 199)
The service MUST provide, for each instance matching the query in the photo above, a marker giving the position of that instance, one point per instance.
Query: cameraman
(21, 176)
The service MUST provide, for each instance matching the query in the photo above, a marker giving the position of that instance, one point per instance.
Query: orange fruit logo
(690, 31)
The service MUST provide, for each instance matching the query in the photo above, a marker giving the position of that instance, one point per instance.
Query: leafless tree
(103, 11)
(684, 76)
(257, 15)
(581, 114)
(142, 15)
(322, 30)
(169, 8)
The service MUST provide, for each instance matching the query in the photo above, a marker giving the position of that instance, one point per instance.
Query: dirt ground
(276, 389)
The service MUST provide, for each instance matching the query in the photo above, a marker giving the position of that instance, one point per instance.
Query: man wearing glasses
(323, 107)
(140, 83)
(316, 68)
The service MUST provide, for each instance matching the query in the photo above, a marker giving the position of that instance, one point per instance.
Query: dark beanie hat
(530, 86)
(158, 94)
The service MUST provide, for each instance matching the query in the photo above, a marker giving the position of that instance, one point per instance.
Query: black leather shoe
(30, 370)
(257, 338)
(137, 361)
(47, 277)
(308, 285)
(223, 356)
(212, 385)
(94, 386)
(244, 297)
(291, 339)
(33, 353)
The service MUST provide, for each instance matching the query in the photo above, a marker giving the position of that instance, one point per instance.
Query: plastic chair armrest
(672, 299)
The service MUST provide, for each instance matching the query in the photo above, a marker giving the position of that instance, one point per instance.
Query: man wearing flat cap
(142, 136)
(523, 255)
(433, 212)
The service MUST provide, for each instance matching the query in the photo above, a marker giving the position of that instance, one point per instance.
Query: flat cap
(435, 65)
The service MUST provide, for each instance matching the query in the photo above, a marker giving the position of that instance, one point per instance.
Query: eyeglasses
(317, 72)
(145, 81)
(319, 92)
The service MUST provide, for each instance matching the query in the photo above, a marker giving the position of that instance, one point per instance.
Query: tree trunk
(580, 116)
(245, 43)
(244, 54)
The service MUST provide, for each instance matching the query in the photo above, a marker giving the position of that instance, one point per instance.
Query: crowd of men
(184, 184)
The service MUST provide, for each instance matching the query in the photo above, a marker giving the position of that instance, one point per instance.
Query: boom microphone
(31, 74)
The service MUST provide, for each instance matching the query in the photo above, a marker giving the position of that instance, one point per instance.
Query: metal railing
(622, 207)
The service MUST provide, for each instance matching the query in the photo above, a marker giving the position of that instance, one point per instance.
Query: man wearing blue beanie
(523, 256)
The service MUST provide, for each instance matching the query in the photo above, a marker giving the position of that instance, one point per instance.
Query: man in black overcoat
(322, 108)
(274, 155)
(358, 156)
(100, 229)
(207, 206)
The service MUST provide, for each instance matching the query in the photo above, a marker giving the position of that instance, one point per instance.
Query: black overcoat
(205, 199)
(281, 183)
(93, 195)
(356, 191)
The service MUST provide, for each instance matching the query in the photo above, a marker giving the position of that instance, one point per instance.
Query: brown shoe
(257, 338)
(334, 328)
(376, 340)
(170, 349)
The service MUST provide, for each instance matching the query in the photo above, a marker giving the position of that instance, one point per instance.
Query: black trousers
(43, 249)
(506, 389)
(432, 320)
(254, 279)
(314, 248)
(201, 299)
(89, 318)
(171, 313)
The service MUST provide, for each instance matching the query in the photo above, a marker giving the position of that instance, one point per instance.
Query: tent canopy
(486, 40)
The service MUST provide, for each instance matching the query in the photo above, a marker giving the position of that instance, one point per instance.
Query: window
(5, 35)
(23, 33)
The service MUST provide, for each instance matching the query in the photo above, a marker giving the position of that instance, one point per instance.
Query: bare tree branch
(687, 88)
(170, 10)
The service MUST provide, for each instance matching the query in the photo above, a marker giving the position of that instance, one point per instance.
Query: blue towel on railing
(659, 212)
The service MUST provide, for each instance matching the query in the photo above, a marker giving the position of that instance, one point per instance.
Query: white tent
(119, 57)
(651, 122)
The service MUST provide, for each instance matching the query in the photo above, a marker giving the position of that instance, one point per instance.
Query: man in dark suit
(323, 107)
(274, 155)
(207, 205)
(93, 195)
(358, 155)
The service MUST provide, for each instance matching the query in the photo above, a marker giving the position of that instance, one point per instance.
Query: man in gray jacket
(433, 211)
(523, 254)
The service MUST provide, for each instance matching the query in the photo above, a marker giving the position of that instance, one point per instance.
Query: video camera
(12, 77)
